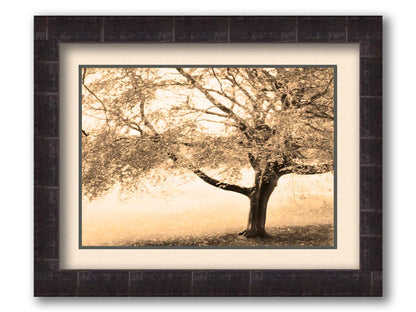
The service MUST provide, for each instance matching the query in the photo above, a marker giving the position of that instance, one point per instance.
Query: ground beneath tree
(321, 235)
(300, 213)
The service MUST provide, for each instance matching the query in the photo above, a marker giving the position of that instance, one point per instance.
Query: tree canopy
(144, 123)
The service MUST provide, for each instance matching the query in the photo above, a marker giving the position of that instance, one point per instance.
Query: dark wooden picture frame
(50, 31)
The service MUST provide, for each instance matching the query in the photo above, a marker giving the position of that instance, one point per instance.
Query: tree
(213, 122)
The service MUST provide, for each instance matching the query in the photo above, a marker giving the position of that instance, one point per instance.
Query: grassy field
(321, 235)
(300, 213)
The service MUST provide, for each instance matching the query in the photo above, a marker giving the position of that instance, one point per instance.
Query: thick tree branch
(222, 185)
(253, 161)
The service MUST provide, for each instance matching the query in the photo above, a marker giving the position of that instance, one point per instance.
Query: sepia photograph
(208, 156)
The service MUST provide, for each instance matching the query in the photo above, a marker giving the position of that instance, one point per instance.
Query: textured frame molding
(49, 31)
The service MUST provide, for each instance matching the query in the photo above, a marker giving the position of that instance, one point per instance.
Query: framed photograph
(208, 156)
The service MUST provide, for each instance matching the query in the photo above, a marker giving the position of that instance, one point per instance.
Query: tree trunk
(259, 199)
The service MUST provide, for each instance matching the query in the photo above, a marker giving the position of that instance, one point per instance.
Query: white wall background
(16, 286)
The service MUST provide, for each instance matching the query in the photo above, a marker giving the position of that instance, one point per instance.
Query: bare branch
(240, 122)
(223, 122)
(308, 169)
(219, 82)
(144, 118)
(232, 99)
(318, 114)
(99, 100)
(232, 79)
(323, 92)
(317, 129)
(206, 111)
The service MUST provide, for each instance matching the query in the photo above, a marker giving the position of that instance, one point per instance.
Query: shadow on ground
(321, 235)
